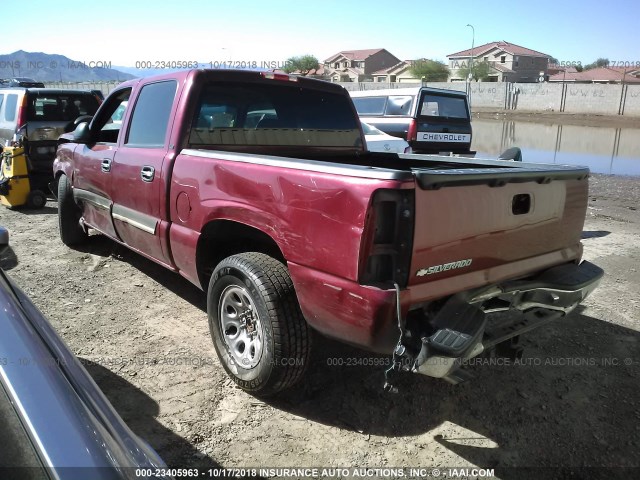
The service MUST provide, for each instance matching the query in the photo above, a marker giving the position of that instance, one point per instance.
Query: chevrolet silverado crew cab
(257, 188)
(432, 120)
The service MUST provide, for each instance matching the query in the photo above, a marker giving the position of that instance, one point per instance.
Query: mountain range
(45, 67)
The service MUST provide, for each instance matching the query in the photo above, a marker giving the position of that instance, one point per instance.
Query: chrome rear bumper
(548, 296)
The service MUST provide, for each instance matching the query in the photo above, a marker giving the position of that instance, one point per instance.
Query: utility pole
(470, 76)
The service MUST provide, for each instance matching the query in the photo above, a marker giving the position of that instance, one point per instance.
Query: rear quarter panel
(316, 218)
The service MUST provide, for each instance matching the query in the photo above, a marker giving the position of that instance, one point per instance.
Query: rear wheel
(69, 214)
(260, 335)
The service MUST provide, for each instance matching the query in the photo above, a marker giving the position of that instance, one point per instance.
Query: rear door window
(443, 106)
(11, 107)
(151, 114)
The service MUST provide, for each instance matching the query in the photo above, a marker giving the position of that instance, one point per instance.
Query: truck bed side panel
(316, 218)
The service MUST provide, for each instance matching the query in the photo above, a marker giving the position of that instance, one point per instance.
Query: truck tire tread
(291, 334)
(69, 214)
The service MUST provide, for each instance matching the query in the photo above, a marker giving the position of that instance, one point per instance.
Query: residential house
(599, 75)
(357, 65)
(508, 62)
(400, 72)
(554, 69)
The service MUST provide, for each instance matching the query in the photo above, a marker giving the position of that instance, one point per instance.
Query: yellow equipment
(15, 187)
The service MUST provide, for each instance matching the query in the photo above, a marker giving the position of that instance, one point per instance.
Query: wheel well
(220, 239)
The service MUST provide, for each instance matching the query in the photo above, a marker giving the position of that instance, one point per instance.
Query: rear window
(370, 105)
(11, 107)
(60, 107)
(272, 115)
(443, 106)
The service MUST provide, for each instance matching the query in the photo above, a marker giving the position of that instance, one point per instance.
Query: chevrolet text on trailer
(258, 188)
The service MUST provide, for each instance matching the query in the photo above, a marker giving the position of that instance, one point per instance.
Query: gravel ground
(142, 332)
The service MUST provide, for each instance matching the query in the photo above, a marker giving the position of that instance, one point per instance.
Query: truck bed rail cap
(301, 164)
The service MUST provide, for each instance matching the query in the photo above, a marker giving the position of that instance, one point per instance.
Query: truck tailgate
(475, 219)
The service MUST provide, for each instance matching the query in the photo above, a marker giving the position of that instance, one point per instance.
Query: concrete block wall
(536, 97)
(356, 86)
(586, 98)
(488, 95)
(459, 86)
(632, 100)
(603, 99)
(104, 87)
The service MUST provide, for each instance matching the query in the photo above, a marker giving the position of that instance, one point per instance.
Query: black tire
(36, 199)
(69, 214)
(272, 316)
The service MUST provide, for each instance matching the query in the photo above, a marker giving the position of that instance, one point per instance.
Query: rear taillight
(385, 255)
(412, 133)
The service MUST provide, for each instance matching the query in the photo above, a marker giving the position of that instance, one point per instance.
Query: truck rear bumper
(545, 297)
(365, 315)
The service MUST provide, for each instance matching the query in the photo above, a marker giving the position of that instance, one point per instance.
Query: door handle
(147, 173)
(106, 165)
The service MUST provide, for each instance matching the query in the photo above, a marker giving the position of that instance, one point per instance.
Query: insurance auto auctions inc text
(375, 472)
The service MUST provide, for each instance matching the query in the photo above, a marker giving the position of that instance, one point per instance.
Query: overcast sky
(126, 32)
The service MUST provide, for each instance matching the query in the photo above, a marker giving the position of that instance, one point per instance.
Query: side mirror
(82, 134)
(513, 153)
(4, 238)
(72, 125)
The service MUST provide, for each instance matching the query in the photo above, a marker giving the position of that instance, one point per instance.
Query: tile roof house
(357, 65)
(599, 75)
(400, 72)
(508, 62)
(554, 68)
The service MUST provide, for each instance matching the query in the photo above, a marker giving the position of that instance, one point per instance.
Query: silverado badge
(444, 267)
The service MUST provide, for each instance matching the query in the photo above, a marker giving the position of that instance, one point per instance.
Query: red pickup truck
(257, 187)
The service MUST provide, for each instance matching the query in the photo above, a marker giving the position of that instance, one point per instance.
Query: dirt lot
(142, 332)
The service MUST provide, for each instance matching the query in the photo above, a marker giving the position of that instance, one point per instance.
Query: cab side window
(11, 107)
(150, 120)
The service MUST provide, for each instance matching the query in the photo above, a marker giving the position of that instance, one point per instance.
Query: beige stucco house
(357, 65)
(400, 72)
(508, 62)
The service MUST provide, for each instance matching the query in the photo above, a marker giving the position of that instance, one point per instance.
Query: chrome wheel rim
(241, 327)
